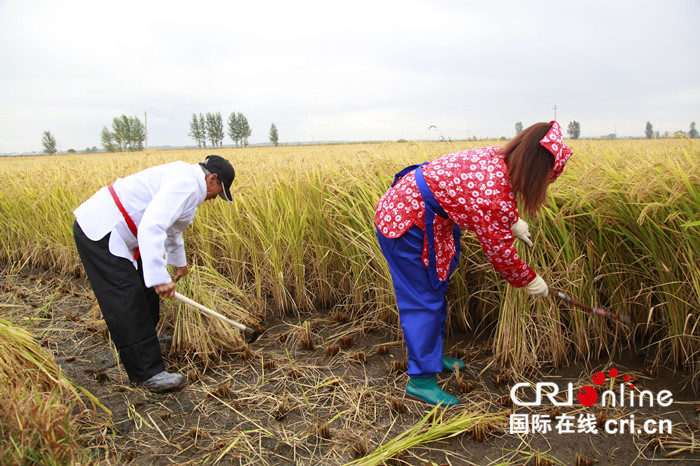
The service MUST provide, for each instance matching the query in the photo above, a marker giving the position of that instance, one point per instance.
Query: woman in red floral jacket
(418, 226)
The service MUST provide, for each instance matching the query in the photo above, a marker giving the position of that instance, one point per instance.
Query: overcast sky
(361, 70)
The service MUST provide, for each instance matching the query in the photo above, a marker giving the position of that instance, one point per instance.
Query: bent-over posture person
(418, 226)
(126, 235)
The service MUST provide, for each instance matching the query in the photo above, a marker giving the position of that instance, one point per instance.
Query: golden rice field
(621, 232)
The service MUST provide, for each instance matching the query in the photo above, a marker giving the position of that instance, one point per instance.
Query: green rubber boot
(426, 389)
(448, 364)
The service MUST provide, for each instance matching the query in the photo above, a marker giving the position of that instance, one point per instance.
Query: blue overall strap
(404, 172)
(428, 196)
(432, 208)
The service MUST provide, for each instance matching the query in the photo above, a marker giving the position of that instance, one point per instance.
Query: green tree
(245, 129)
(120, 128)
(238, 129)
(203, 126)
(692, 132)
(574, 129)
(649, 130)
(49, 143)
(198, 132)
(128, 134)
(233, 128)
(518, 127)
(274, 135)
(107, 140)
(195, 132)
(137, 134)
(215, 129)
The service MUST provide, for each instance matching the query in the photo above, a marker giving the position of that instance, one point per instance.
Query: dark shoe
(164, 381)
(448, 364)
(426, 389)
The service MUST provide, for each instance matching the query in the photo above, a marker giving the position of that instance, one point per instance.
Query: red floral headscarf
(554, 143)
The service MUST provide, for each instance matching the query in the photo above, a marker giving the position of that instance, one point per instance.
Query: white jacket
(162, 202)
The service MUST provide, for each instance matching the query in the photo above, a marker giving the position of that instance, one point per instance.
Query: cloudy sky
(362, 70)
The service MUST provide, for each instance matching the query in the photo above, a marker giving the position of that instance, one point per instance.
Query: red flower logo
(588, 395)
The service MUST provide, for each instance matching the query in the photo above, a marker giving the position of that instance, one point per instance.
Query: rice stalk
(433, 427)
(43, 413)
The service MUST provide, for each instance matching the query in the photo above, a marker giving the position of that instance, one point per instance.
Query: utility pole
(145, 118)
(555, 113)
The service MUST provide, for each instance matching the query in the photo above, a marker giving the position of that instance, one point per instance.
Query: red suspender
(130, 223)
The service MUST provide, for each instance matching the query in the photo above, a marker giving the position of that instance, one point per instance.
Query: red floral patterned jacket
(474, 189)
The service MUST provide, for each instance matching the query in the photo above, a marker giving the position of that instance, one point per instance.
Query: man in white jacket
(126, 235)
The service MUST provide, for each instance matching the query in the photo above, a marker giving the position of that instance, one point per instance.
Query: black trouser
(131, 310)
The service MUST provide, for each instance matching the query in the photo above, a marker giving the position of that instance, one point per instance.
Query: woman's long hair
(529, 165)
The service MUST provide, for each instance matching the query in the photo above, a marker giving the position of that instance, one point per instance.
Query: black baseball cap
(224, 171)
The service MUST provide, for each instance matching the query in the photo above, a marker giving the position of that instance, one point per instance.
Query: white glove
(522, 232)
(537, 287)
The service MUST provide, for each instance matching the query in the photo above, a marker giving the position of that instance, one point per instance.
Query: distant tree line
(210, 128)
(574, 129)
(49, 145)
(649, 132)
(128, 134)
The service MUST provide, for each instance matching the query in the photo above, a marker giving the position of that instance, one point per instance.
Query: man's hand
(521, 231)
(165, 290)
(181, 272)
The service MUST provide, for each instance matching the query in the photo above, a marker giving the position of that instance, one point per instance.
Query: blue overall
(420, 294)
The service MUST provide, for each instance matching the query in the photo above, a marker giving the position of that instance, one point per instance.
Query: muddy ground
(282, 404)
